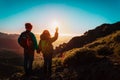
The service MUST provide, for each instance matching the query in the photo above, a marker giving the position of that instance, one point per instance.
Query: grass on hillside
(99, 60)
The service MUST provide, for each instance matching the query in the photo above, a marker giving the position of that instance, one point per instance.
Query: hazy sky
(71, 16)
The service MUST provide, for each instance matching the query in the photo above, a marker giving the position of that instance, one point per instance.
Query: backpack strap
(24, 39)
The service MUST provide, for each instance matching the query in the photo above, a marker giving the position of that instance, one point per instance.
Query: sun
(55, 24)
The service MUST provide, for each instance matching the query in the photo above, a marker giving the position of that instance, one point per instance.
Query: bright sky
(71, 16)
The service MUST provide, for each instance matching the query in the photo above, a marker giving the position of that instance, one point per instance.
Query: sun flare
(55, 24)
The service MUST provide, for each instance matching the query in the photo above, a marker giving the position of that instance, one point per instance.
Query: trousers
(28, 60)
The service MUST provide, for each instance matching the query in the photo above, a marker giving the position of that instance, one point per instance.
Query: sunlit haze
(72, 17)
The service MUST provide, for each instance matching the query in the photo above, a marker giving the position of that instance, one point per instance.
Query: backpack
(25, 40)
(44, 44)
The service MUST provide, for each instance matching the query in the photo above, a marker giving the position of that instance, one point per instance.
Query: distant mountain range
(9, 41)
(88, 37)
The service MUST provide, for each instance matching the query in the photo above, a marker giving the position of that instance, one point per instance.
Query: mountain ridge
(88, 37)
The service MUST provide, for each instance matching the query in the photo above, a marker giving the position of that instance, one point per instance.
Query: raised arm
(55, 36)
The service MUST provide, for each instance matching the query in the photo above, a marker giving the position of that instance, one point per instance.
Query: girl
(46, 47)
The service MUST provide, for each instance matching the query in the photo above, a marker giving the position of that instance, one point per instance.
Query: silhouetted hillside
(9, 41)
(89, 36)
(99, 60)
(10, 62)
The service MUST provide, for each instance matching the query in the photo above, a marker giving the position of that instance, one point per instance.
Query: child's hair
(45, 35)
(28, 26)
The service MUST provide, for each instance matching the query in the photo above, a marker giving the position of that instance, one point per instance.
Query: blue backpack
(25, 40)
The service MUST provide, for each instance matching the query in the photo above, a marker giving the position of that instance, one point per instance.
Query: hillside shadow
(89, 67)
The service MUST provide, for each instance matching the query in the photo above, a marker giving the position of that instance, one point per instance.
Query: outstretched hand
(56, 29)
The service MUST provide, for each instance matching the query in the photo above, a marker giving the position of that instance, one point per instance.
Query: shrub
(104, 51)
(57, 62)
(117, 38)
(82, 57)
(117, 50)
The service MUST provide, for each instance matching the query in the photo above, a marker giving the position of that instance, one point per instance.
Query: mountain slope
(10, 62)
(9, 41)
(99, 60)
(90, 36)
